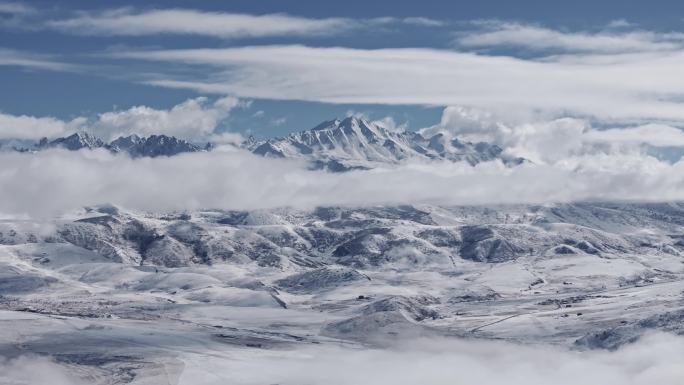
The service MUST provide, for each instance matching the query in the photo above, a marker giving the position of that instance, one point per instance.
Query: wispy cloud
(128, 21)
(416, 20)
(535, 37)
(620, 23)
(10, 57)
(642, 86)
(14, 8)
(424, 21)
(133, 22)
(278, 121)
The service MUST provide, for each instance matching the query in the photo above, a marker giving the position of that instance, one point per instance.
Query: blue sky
(104, 69)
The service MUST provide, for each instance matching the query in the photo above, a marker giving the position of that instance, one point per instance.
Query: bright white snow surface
(586, 293)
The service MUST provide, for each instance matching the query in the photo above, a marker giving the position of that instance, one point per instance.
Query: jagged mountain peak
(123, 143)
(355, 143)
(162, 145)
(352, 125)
(74, 141)
(327, 125)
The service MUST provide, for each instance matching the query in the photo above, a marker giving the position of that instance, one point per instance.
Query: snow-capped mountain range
(336, 145)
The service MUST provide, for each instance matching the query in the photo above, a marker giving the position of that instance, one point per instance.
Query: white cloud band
(55, 181)
(637, 87)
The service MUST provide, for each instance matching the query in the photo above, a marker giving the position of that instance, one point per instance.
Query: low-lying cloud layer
(53, 181)
(654, 360)
(32, 370)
